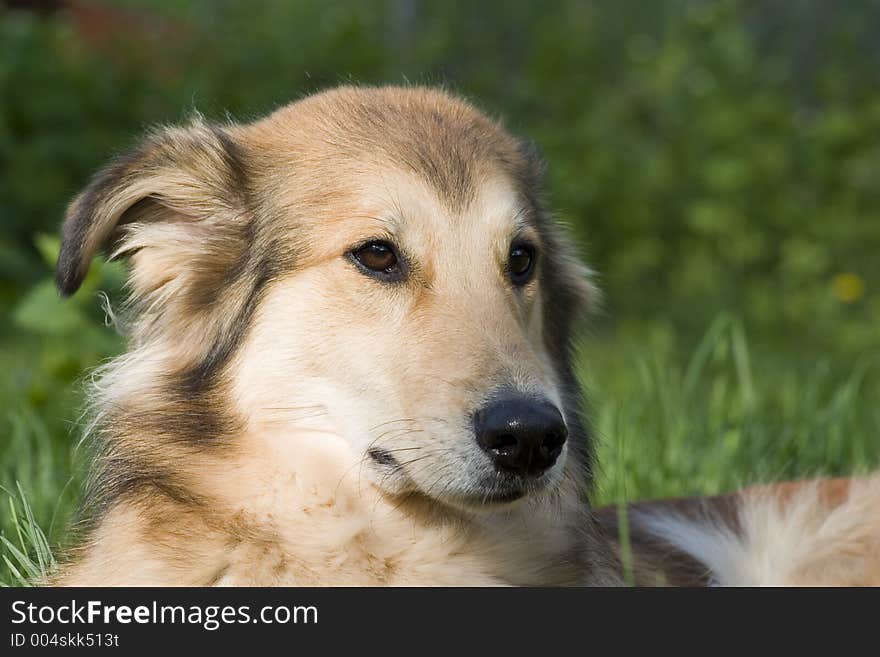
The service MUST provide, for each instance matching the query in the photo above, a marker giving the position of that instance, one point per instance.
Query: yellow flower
(848, 287)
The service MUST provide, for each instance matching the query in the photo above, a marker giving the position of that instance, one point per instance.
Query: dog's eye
(377, 259)
(377, 256)
(521, 263)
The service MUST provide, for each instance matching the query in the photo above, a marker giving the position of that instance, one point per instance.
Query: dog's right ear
(180, 175)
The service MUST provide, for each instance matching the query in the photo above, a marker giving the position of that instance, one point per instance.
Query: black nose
(521, 435)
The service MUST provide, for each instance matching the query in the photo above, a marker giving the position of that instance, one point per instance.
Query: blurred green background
(719, 163)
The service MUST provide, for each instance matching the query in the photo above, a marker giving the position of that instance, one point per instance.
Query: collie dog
(348, 363)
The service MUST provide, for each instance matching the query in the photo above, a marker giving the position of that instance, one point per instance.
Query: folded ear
(178, 175)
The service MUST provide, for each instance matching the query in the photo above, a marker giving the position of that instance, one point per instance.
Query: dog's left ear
(571, 282)
(178, 175)
(535, 166)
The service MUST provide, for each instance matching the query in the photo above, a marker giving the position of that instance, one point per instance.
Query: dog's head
(371, 263)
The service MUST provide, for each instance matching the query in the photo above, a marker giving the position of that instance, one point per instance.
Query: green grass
(669, 420)
(27, 555)
(726, 414)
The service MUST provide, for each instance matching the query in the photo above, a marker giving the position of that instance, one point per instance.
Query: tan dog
(348, 360)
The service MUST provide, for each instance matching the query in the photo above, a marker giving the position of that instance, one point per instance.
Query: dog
(349, 332)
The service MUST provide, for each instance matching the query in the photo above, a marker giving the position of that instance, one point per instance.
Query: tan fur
(323, 364)
(313, 525)
(824, 532)
(807, 538)
(236, 440)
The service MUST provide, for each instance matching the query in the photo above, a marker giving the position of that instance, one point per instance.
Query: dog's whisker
(396, 435)
(307, 406)
(428, 418)
(382, 424)
(403, 449)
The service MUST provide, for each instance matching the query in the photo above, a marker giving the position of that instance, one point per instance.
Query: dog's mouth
(489, 490)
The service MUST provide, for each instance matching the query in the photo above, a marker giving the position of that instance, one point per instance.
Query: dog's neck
(309, 492)
(298, 511)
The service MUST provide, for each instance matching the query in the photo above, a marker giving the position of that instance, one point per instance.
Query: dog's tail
(815, 533)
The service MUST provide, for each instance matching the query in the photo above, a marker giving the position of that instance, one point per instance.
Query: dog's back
(823, 532)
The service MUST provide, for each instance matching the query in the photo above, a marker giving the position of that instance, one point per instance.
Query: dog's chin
(489, 501)
(502, 493)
